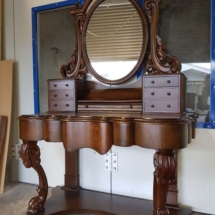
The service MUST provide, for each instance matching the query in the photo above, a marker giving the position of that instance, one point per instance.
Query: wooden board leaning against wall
(6, 78)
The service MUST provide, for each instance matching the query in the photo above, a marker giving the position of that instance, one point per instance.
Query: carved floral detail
(158, 62)
(76, 68)
(164, 175)
(165, 167)
(30, 155)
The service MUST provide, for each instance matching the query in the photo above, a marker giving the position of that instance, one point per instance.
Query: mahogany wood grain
(100, 131)
(119, 119)
(114, 94)
(172, 195)
(165, 174)
(71, 171)
(95, 131)
(85, 202)
(30, 155)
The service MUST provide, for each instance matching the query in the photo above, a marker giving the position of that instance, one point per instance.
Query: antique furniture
(149, 112)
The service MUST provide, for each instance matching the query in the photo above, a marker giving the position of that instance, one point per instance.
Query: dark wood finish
(30, 155)
(101, 131)
(80, 61)
(121, 117)
(165, 174)
(158, 62)
(72, 170)
(96, 203)
(172, 195)
(3, 128)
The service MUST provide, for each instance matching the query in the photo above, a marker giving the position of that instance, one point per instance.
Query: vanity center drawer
(161, 93)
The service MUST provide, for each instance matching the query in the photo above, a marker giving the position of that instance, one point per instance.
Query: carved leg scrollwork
(30, 154)
(165, 174)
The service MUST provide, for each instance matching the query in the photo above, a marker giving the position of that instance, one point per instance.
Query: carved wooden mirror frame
(157, 61)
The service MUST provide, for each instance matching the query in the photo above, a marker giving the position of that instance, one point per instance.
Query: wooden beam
(1, 8)
(3, 128)
(6, 82)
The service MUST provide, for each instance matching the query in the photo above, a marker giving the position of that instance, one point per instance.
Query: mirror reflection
(114, 39)
(195, 58)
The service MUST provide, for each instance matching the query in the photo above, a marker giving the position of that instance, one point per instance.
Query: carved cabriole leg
(172, 196)
(71, 171)
(165, 174)
(30, 154)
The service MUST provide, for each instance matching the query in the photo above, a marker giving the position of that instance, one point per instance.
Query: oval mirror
(115, 37)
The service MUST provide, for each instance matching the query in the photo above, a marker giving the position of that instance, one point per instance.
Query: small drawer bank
(164, 93)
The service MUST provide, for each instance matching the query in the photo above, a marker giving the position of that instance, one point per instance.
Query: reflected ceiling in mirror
(114, 40)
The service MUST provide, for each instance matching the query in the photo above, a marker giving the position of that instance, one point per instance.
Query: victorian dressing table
(149, 112)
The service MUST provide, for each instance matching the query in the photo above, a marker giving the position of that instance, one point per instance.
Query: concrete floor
(15, 199)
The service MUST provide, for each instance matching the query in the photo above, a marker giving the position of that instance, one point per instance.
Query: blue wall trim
(35, 62)
(212, 99)
(34, 11)
(56, 5)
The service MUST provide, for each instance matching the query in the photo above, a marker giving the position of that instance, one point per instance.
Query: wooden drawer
(61, 106)
(161, 106)
(61, 85)
(161, 93)
(165, 81)
(61, 95)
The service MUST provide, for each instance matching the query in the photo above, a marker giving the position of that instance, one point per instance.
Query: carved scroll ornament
(164, 175)
(70, 70)
(158, 62)
(76, 68)
(30, 155)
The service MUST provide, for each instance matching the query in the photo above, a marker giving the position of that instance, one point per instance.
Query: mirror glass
(54, 47)
(114, 39)
(192, 47)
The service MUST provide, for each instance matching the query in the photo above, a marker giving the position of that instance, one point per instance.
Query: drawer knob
(67, 85)
(66, 95)
(168, 106)
(168, 81)
(55, 85)
(152, 93)
(152, 106)
(67, 105)
(55, 95)
(152, 82)
(169, 94)
(55, 105)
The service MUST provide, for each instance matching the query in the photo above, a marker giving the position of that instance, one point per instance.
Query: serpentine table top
(163, 132)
